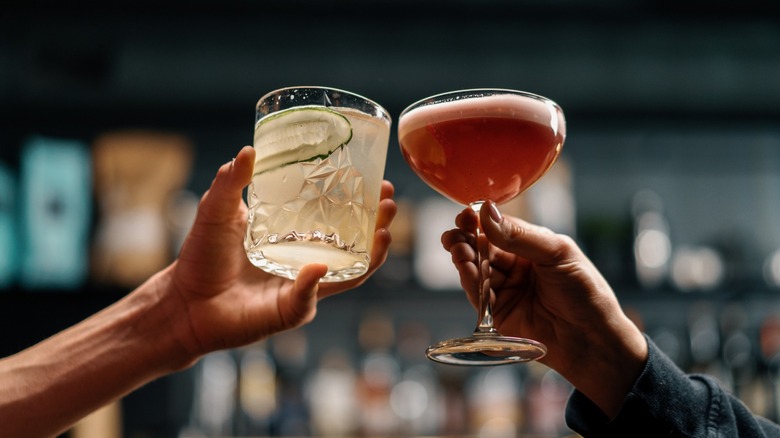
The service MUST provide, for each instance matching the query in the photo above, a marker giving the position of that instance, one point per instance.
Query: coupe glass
(474, 146)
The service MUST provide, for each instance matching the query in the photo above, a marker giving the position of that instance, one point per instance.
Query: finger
(378, 256)
(467, 220)
(387, 190)
(455, 236)
(301, 307)
(382, 238)
(387, 207)
(460, 245)
(381, 244)
(308, 278)
(464, 260)
(532, 242)
(220, 201)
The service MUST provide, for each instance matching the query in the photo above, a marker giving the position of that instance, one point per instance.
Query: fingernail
(495, 214)
(232, 162)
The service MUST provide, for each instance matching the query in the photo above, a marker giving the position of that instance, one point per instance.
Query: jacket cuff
(660, 401)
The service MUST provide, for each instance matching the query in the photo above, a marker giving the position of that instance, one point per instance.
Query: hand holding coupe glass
(321, 155)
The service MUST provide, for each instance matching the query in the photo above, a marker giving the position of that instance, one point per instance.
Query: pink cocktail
(474, 146)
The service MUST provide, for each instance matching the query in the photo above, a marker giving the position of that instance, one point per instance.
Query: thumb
(302, 302)
(220, 201)
(533, 242)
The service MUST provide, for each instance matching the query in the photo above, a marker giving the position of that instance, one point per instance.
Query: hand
(227, 301)
(545, 288)
(210, 298)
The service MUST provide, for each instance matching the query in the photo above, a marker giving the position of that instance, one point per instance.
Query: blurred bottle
(331, 394)
(546, 394)
(9, 251)
(137, 174)
(769, 341)
(290, 353)
(771, 270)
(454, 415)
(214, 402)
(379, 372)
(55, 197)
(652, 243)
(180, 211)
(551, 199)
(257, 391)
(416, 398)
(738, 351)
(705, 339)
(697, 268)
(105, 422)
(433, 267)
(494, 399)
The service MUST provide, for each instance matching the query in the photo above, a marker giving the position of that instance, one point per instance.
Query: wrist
(159, 325)
(615, 361)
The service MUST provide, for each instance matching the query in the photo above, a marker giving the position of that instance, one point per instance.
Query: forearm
(48, 387)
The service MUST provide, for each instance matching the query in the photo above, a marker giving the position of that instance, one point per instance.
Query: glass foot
(488, 349)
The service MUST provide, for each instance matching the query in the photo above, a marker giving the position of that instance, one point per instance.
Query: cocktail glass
(474, 146)
(316, 184)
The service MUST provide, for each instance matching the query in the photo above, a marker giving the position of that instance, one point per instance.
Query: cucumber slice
(299, 134)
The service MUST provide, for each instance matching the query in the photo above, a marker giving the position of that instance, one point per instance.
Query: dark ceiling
(179, 63)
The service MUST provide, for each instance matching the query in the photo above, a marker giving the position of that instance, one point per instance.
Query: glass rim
(383, 110)
(442, 97)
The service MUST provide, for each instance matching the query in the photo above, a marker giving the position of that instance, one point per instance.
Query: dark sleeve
(666, 402)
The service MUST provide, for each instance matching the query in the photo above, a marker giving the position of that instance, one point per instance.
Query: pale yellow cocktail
(317, 180)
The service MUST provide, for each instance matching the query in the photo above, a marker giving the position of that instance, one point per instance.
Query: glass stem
(485, 312)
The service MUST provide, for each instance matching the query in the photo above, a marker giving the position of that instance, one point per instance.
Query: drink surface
(482, 148)
(321, 210)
